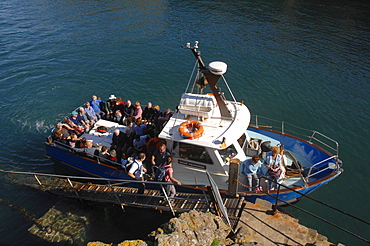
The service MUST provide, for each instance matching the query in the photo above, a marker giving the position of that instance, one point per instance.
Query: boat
(209, 133)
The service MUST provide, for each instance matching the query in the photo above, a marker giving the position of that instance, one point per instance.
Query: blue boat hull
(311, 153)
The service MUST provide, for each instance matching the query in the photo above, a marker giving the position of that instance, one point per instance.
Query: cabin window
(195, 153)
(242, 140)
(228, 153)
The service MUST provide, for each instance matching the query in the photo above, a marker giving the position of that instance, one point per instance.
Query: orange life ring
(191, 129)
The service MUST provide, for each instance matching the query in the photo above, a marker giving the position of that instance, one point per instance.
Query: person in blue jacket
(96, 104)
(250, 169)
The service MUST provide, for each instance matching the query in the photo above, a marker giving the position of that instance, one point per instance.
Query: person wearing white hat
(110, 107)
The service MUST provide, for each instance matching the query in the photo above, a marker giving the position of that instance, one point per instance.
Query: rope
(245, 186)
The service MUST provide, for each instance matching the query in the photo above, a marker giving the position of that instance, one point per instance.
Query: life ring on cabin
(191, 129)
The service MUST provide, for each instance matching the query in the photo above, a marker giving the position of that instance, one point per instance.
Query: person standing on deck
(160, 156)
(170, 189)
(137, 171)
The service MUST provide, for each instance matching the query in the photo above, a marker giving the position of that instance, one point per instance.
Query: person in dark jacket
(110, 107)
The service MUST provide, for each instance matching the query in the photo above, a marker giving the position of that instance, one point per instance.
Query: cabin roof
(216, 128)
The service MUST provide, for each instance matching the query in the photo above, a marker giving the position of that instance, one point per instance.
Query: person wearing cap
(77, 120)
(110, 107)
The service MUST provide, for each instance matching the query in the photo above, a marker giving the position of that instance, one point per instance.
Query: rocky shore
(256, 227)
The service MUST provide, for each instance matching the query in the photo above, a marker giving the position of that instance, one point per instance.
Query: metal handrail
(318, 163)
(109, 184)
(316, 216)
(124, 181)
(323, 143)
(282, 127)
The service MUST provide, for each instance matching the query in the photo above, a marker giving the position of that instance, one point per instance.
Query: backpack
(129, 164)
(160, 173)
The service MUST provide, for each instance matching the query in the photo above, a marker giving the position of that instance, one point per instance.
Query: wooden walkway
(127, 196)
(122, 195)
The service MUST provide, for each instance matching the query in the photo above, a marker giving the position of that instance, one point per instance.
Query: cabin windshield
(195, 153)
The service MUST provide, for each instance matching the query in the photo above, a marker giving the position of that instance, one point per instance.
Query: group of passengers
(135, 143)
(114, 109)
(270, 167)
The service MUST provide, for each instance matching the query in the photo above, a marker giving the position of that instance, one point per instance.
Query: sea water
(302, 62)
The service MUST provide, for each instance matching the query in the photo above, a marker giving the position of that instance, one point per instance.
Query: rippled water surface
(303, 62)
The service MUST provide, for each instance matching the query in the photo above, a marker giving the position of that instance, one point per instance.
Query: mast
(211, 79)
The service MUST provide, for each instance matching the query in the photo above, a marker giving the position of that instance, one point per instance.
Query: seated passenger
(128, 110)
(124, 161)
(58, 136)
(118, 109)
(168, 114)
(250, 168)
(110, 105)
(138, 145)
(113, 156)
(104, 155)
(78, 121)
(273, 163)
(88, 123)
(66, 129)
(138, 111)
(139, 127)
(81, 143)
(76, 129)
(148, 113)
(157, 113)
(97, 104)
(88, 151)
(130, 122)
(90, 112)
(117, 140)
(73, 139)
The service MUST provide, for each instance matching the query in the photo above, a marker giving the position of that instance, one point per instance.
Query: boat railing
(325, 143)
(279, 202)
(97, 158)
(310, 174)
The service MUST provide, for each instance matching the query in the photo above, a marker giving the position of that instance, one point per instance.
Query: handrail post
(313, 134)
(277, 198)
(70, 183)
(38, 181)
(256, 121)
(168, 200)
(205, 196)
(115, 194)
(282, 127)
(234, 166)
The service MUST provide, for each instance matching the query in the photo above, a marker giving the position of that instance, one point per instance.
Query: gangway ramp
(119, 193)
